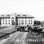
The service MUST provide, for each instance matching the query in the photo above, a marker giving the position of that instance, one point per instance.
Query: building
(24, 20)
(16, 19)
(7, 20)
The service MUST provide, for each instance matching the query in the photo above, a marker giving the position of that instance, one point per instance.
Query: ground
(22, 38)
(17, 38)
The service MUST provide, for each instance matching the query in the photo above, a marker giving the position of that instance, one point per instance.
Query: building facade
(7, 20)
(24, 20)
(16, 19)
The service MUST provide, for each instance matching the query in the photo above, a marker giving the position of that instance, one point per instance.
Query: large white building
(7, 20)
(24, 20)
(16, 19)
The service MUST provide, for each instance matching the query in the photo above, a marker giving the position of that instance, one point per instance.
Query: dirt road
(17, 38)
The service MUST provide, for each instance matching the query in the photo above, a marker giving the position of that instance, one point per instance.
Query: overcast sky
(32, 7)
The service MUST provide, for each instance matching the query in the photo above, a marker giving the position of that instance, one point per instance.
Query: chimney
(15, 13)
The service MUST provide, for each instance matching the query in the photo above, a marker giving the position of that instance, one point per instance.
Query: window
(19, 20)
(24, 15)
(6, 23)
(31, 23)
(9, 20)
(8, 15)
(19, 23)
(3, 23)
(3, 20)
(22, 22)
(9, 23)
(31, 20)
(12, 21)
(2, 15)
(12, 17)
(25, 21)
(18, 15)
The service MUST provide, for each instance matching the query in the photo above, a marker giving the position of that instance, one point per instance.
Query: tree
(42, 23)
(37, 23)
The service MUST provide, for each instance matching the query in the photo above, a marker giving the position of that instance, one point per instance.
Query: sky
(31, 7)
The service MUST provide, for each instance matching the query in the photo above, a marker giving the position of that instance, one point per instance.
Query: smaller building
(24, 20)
(7, 20)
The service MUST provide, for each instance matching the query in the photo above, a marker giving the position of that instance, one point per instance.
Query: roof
(17, 15)
(23, 15)
(6, 15)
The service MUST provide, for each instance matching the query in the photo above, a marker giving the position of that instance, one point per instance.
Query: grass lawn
(3, 27)
(4, 33)
(8, 30)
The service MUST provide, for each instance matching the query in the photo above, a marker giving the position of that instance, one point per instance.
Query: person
(28, 28)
